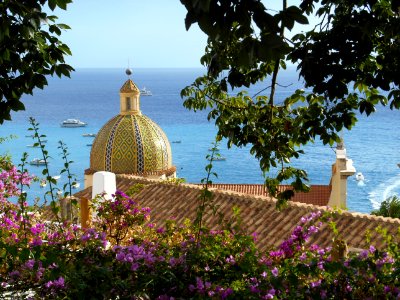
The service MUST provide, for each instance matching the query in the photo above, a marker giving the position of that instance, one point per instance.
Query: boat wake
(384, 190)
(361, 183)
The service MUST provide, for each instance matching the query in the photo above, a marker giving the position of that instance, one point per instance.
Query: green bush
(389, 208)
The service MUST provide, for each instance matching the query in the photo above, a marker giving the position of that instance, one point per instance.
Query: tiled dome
(131, 143)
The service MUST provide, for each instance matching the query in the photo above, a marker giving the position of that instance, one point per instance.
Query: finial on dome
(128, 72)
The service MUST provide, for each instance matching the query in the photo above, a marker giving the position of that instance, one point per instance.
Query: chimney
(104, 182)
(341, 170)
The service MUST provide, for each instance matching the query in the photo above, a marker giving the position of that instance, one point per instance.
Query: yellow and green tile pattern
(131, 144)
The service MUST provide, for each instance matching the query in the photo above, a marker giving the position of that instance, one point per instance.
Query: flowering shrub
(124, 256)
(119, 218)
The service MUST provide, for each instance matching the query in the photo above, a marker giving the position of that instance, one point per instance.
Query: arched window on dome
(128, 103)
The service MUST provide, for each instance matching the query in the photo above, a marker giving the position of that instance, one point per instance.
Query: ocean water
(92, 95)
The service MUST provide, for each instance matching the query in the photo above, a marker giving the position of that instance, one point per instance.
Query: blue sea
(92, 95)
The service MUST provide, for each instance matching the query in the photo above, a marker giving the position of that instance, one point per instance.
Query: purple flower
(270, 294)
(37, 241)
(303, 256)
(174, 261)
(14, 274)
(286, 247)
(120, 256)
(371, 249)
(56, 284)
(275, 272)
(135, 266)
(226, 293)
(161, 230)
(276, 253)
(199, 284)
(53, 266)
(230, 260)
(363, 254)
(37, 229)
(39, 273)
(30, 264)
(59, 283)
(264, 274)
(254, 289)
(315, 284)
(149, 259)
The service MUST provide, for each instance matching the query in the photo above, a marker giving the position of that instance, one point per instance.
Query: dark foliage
(29, 50)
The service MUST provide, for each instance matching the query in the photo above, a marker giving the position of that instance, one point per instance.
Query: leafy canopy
(389, 208)
(349, 62)
(29, 50)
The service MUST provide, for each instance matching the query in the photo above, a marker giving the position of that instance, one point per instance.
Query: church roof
(128, 87)
(131, 144)
(258, 213)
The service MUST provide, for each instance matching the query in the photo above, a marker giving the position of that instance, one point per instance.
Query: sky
(148, 33)
(145, 33)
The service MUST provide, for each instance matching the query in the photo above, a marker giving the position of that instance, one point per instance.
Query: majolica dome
(131, 143)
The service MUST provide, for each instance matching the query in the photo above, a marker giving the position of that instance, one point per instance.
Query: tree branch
(276, 67)
(281, 85)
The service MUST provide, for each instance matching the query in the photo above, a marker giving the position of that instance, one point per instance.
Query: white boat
(145, 92)
(89, 134)
(37, 162)
(56, 177)
(33, 146)
(73, 123)
(220, 158)
(76, 185)
(359, 176)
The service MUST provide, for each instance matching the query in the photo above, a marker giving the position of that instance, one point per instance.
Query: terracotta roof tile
(318, 194)
(258, 213)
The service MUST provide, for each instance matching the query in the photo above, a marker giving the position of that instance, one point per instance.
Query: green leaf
(52, 4)
(297, 15)
(63, 26)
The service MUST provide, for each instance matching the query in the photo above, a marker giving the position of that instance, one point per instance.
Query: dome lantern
(129, 97)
